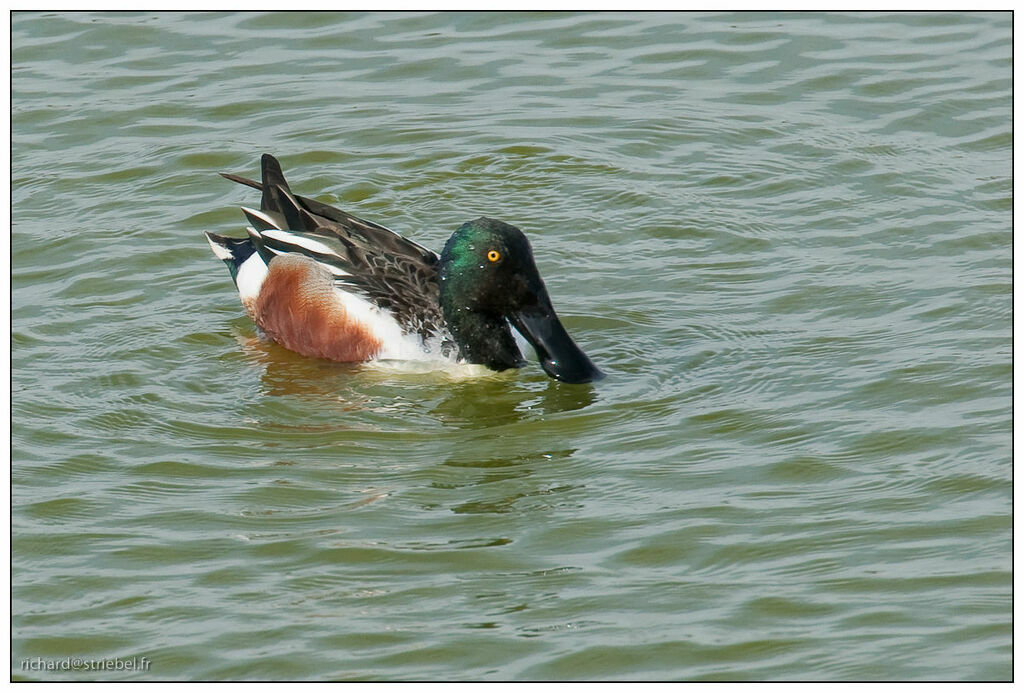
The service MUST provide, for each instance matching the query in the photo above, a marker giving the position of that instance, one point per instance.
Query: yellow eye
(493, 255)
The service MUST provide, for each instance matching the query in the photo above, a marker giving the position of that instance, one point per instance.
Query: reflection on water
(461, 396)
(487, 491)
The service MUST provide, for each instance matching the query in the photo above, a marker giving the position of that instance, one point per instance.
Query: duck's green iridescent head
(489, 280)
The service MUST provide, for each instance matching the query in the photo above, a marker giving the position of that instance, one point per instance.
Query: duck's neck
(484, 339)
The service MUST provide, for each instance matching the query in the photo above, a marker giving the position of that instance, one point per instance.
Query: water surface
(785, 237)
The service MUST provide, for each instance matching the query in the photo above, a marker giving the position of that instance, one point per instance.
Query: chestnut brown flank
(297, 308)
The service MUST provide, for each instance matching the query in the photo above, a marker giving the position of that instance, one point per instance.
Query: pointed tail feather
(244, 181)
(272, 168)
(303, 214)
(277, 197)
(271, 171)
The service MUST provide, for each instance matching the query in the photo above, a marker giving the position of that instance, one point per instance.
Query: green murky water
(785, 237)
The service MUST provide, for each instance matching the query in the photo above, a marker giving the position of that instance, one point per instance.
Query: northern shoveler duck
(326, 284)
